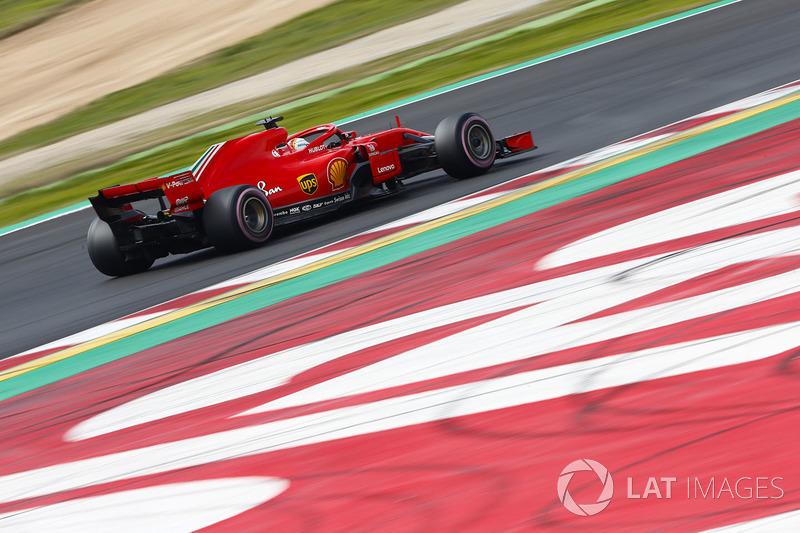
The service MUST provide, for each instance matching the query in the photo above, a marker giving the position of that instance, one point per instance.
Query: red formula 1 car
(239, 189)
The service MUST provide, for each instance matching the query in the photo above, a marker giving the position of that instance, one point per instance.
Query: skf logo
(308, 183)
(336, 172)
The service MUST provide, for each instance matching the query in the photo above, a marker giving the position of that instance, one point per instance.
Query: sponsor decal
(329, 201)
(316, 149)
(263, 186)
(337, 169)
(386, 163)
(181, 201)
(177, 183)
(309, 183)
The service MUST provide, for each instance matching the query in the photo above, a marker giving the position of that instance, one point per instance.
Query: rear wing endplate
(176, 193)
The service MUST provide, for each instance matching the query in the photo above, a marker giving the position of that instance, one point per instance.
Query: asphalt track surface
(573, 105)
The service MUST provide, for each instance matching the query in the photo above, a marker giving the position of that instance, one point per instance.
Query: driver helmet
(298, 144)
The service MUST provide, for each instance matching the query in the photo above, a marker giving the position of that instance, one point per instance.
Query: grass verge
(311, 32)
(512, 49)
(17, 16)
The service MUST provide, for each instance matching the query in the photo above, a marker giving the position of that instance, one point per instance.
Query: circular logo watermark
(585, 509)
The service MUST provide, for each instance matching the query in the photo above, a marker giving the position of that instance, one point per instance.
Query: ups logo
(308, 183)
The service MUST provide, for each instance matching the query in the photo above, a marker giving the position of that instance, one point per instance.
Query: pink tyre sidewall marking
(240, 218)
(464, 129)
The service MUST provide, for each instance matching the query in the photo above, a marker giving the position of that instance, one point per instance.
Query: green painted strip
(378, 77)
(44, 218)
(389, 254)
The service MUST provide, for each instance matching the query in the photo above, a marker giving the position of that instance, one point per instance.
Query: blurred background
(90, 85)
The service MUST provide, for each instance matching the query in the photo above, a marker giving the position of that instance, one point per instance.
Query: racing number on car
(336, 173)
(308, 183)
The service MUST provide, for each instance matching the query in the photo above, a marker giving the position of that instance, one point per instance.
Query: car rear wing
(176, 193)
(514, 144)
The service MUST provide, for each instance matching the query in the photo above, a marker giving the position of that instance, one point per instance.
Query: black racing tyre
(237, 218)
(106, 256)
(465, 145)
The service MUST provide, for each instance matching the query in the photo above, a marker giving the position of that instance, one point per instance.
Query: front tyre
(237, 218)
(465, 145)
(106, 255)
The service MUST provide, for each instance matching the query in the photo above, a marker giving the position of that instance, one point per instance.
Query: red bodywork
(322, 169)
(334, 168)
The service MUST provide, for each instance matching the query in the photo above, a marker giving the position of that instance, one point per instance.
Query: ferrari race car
(234, 195)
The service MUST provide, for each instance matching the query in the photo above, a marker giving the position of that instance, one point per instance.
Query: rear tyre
(106, 256)
(465, 145)
(237, 218)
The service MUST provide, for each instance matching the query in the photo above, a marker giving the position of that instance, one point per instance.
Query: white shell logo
(586, 509)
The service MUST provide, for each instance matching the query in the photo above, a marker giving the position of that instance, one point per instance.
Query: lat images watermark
(666, 488)
(585, 509)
